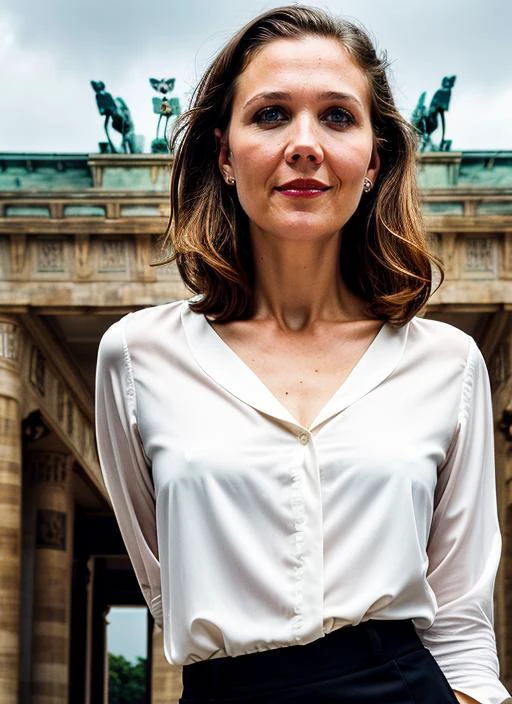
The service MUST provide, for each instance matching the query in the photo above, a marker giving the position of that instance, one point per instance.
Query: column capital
(49, 466)
(10, 339)
(10, 356)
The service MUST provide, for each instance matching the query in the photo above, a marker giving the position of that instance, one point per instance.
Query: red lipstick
(303, 188)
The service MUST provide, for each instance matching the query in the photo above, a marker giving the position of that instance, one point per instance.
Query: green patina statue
(117, 113)
(427, 121)
(164, 107)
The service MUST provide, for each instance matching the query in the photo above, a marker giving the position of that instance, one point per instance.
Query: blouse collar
(221, 363)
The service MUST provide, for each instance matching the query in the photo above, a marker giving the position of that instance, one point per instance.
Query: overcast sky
(51, 49)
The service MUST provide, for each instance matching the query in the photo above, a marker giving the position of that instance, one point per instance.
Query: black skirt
(375, 662)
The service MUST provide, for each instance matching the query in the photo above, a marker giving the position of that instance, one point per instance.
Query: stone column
(98, 654)
(10, 507)
(165, 679)
(52, 503)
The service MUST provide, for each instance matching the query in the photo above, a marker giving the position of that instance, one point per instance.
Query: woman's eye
(269, 115)
(339, 116)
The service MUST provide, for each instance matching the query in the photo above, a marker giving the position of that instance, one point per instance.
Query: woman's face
(301, 110)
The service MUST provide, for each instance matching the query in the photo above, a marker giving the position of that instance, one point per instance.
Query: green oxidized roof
(148, 172)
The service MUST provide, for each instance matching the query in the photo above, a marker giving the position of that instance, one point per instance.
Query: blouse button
(303, 438)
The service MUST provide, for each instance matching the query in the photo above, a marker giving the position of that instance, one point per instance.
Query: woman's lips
(302, 192)
(303, 188)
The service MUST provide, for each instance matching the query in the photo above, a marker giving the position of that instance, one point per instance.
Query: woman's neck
(298, 282)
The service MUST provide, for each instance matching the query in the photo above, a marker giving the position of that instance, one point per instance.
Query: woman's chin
(299, 229)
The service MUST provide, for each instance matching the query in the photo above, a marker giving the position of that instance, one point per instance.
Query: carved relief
(48, 467)
(112, 256)
(9, 341)
(38, 370)
(50, 256)
(480, 255)
(51, 529)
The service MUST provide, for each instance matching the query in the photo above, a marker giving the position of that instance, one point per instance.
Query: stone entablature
(114, 212)
(49, 383)
(113, 272)
(85, 235)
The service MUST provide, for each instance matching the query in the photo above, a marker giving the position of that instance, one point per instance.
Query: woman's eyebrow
(280, 95)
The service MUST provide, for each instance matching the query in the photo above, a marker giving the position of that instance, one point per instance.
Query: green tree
(126, 680)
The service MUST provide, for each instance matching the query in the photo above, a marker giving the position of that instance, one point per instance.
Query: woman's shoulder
(440, 340)
(139, 327)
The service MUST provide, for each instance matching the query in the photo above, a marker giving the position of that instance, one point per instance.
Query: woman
(302, 470)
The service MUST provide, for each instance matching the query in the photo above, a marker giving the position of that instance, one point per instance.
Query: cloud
(481, 119)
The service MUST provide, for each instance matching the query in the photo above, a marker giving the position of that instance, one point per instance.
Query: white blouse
(248, 531)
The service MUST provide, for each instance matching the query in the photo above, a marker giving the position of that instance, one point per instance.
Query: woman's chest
(303, 371)
(201, 436)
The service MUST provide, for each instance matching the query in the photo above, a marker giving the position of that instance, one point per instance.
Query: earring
(367, 185)
(230, 180)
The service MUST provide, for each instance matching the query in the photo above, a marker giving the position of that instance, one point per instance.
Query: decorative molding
(9, 341)
(48, 467)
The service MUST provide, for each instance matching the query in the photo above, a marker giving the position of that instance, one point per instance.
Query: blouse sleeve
(125, 469)
(464, 548)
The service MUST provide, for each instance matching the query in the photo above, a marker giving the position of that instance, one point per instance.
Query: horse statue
(116, 111)
(427, 121)
(164, 107)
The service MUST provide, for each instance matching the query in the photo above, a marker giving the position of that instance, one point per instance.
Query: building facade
(77, 236)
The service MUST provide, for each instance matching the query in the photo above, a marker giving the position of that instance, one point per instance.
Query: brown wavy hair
(384, 256)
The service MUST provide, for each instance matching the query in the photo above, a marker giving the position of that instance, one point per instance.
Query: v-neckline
(222, 364)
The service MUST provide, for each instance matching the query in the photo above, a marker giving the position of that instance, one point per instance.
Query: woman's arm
(464, 548)
(126, 471)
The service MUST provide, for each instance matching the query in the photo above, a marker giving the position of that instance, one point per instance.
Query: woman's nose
(303, 142)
